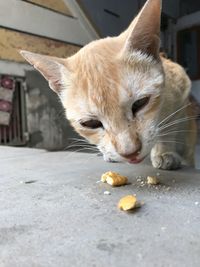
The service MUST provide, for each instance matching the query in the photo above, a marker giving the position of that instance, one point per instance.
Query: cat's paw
(166, 161)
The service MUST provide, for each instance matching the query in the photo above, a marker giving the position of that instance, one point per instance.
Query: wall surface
(12, 41)
(47, 125)
(196, 89)
(46, 27)
(184, 23)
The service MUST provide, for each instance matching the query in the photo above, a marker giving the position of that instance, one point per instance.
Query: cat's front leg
(165, 157)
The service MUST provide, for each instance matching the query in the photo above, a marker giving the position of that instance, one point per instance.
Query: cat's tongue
(135, 161)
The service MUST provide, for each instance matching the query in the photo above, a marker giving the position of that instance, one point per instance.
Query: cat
(121, 95)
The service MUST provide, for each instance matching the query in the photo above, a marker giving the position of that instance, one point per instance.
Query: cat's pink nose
(131, 156)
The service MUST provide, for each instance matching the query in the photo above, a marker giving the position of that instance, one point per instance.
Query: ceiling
(112, 17)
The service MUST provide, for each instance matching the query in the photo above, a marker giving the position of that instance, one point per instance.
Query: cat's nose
(133, 155)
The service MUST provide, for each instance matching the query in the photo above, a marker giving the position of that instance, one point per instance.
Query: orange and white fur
(122, 96)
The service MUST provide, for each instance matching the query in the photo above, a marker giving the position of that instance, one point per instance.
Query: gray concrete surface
(62, 217)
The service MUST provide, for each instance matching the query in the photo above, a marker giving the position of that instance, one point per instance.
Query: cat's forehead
(101, 81)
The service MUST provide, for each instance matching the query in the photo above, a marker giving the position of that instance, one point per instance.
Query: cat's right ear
(53, 69)
(143, 33)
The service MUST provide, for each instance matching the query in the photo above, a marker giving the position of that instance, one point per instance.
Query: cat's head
(112, 88)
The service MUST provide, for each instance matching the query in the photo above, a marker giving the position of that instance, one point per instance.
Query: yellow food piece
(152, 180)
(128, 203)
(114, 179)
(104, 176)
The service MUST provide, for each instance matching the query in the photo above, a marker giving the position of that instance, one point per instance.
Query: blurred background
(31, 114)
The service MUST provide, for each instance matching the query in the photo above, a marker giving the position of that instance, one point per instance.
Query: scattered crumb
(158, 174)
(173, 181)
(196, 203)
(163, 228)
(107, 193)
(128, 203)
(28, 182)
(168, 188)
(98, 182)
(152, 180)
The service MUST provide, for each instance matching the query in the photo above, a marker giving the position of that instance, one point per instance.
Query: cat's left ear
(144, 32)
(53, 69)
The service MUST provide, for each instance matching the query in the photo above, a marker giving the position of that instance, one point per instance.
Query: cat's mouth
(135, 161)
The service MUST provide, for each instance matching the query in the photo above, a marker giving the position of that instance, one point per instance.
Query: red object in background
(5, 106)
(7, 82)
(7, 89)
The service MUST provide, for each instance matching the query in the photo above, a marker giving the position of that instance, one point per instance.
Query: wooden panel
(12, 41)
(32, 19)
(57, 5)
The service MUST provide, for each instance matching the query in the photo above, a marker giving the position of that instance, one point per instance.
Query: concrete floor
(53, 213)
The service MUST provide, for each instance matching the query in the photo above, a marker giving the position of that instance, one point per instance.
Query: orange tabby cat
(123, 97)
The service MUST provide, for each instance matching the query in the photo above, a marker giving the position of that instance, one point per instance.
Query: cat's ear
(143, 33)
(53, 69)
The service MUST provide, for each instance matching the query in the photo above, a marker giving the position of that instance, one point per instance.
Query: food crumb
(152, 180)
(128, 203)
(196, 203)
(114, 179)
(107, 193)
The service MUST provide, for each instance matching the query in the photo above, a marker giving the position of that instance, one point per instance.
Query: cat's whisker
(170, 141)
(82, 147)
(172, 114)
(78, 139)
(172, 132)
(82, 161)
(85, 148)
(78, 144)
(177, 121)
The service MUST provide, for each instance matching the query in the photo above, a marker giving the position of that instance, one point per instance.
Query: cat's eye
(139, 104)
(92, 124)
